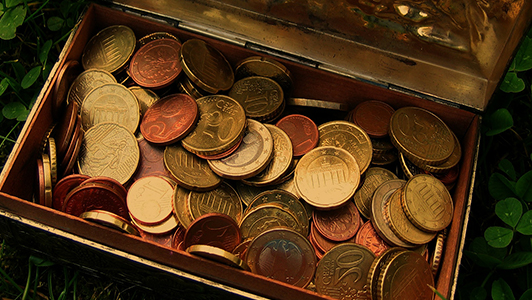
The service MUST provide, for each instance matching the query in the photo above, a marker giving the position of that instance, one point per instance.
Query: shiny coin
(213, 229)
(302, 131)
(219, 255)
(327, 177)
(250, 158)
(109, 150)
(374, 177)
(111, 102)
(367, 236)
(265, 67)
(247, 192)
(67, 74)
(169, 119)
(149, 200)
(421, 136)
(110, 220)
(156, 64)
(86, 82)
(220, 126)
(52, 154)
(347, 136)
(427, 203)
(145, 97)
(282, 255)
(64, 186)
(62, 133)
(94, 196)
(157, 36)
(162, 228)
(267, 216)
(241, 249)
(261, 97)
(45, 181)
(223, 199)
(205, 66)
(190, 171)
(339, 224)
(181, 206)
(373, 117)
(225, 153)
(435, 260)
(109, 49)
(349, 284)
(151, 161)
(317, 104)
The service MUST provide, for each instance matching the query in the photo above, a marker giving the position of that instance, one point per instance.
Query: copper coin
(64, 186)
(161, 239)
(40, 182)
(151, 162)
(339, 224)
(449, 177)
(68, 73)
(179, 236)
(73, 158)
(241, 249)
(156, 64)
(65, 129)
(214, 229)
(110, 182)
(94, 196)
(367, 236)
(317, 250)
(374, 117)
(302, 131)
(156, 36)
(322, 243)
(77, 136)
(169, 119)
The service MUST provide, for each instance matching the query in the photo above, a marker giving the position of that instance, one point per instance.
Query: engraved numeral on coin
(347, 264)
(256, 104)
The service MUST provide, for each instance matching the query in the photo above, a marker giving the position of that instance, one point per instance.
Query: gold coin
(281, 158)
(111, 102)
(317, 104)
(220, 126)
(427, 203)
(206, 66)
(265, 67)
(165, 227)
(375, 269)
(384, 159)
(219, 255)
(363, 197)
(52, 154)
(343, 271)
(350, 137)
(261, 97)
(265, 217)
(111, 150)
(181, 206)
(251, 157)
(109, 49)
(111, 220)
(149, 200)
(382, 145)
(408, 168)
(327, 177)
(189, 170)
(401, 225)
(223, 199)
(438, 252)
(452, 161)
(145, 97)
(186, 86)
(421, 136)
(247, 192)
(86, 82)
(157, 36)
(47, 180)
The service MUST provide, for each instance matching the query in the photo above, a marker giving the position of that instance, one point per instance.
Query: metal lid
(455, 50)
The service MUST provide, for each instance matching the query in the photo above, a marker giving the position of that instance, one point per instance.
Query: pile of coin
(166, 140)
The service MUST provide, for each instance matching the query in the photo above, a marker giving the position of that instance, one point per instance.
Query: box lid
(451, 50)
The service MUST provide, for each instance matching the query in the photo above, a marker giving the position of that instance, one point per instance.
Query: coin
(161, 239)
(151, 160)
(156, 64)
(340, 224)
(427, 203)
(302, 131)
(347, 136)
(260, 97)
(109, 182)
(86, 82)
(435, 260)
(45, 182)
(111, 102)
(376, 268)
(94, 196)
(69, 160)
(162, 228)
(421, 136)
(110, 220)
(267, 216)
(62, 133)
(282, 255)
(322, 243)
(367, 236)
(63, 187)
(317, 250)
(327, 177)
(149, 200)
(178, 236)
(186, 86)
(265, 67)
(169, 119)
(315, 103)
(374, 177)
(145, 97)
(109, 49)
(156, 36)
(250, 158)
(219, 255)
(373, 117)
(222, 199)
(181, 206)
(190, 171)
(67, 74)
(450, 163)
(343, 271)
(205, 66)
(111, 150)
(224, 154)
(220, 126)
(213, 229)
(52, 154)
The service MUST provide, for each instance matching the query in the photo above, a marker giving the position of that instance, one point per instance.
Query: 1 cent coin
(339, 224)
(94, 196)
(213, 229)
(302, 131)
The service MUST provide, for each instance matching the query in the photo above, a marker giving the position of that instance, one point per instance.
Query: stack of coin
(265, 67)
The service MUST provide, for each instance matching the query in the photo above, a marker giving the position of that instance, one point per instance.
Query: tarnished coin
(156, 64)
(241, 249)
(182, 207)
(162, 228)
(408, 168)
(427, 203)
(206, 66)
(349, 284)
(347, 136)
(367, 236)
(178, 236)
(109, 182)
(145, 97)
(164, 239)
(169, 119)
(219, 255)
(265, 67)
(62, 133)
(86, 82)
(151, 161)
(340, 224)
(111, 150)
(373, 117)
(267, 216)
(64, 186)
(67, 74)
(190, 171)
(250, 158)
(220, 126)
(94, 196)
(421, 136)
(224, 154)
(327, 177)
(374, 177)
(281, 158)
(302, 131)
(109, 49)
(67, 163)
(157, 36)
(283, 255)
(261, 97)
(247, 192)
(110, 220)
(223, 199)
(149, 200)
(450, 163)
(213, 229)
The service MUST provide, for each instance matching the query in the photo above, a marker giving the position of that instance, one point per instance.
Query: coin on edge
(110, 220)
(145, 97)
(219, 255)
